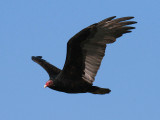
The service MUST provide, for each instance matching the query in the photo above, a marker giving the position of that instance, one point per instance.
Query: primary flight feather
(85, 52)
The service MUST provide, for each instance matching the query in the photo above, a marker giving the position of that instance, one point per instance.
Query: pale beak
(45, 86)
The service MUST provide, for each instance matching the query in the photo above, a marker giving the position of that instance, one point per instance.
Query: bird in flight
(85, 51)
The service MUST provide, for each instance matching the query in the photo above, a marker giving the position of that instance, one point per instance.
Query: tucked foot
(98, 90)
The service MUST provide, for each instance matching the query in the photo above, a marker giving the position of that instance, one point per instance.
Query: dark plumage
(85, 52)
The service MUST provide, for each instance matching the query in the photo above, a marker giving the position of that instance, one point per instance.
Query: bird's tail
(98, 90)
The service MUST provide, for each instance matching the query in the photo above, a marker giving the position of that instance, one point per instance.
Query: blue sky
(130, 68)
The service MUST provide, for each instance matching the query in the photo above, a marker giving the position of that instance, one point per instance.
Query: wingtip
(112, 17)
(106, 20)
(34, 57)
(135, 22)
(132, 22)
(129, 17)
(123, 18)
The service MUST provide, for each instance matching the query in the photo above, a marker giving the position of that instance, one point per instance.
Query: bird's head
(49, 83)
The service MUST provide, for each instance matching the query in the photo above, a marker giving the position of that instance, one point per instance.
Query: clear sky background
(130, 68)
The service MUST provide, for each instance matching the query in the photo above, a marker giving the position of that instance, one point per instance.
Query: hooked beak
(45, 86)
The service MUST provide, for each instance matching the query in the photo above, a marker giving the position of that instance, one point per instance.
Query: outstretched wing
(86, 49)
(51, 69)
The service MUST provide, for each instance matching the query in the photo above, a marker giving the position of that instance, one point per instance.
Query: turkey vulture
(85, 52)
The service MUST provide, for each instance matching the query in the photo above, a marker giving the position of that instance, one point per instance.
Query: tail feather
(98, 90)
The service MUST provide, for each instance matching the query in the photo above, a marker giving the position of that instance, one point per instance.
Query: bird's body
(85, 52)
(64, 83)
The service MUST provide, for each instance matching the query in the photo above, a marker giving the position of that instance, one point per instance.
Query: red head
(48, 83)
